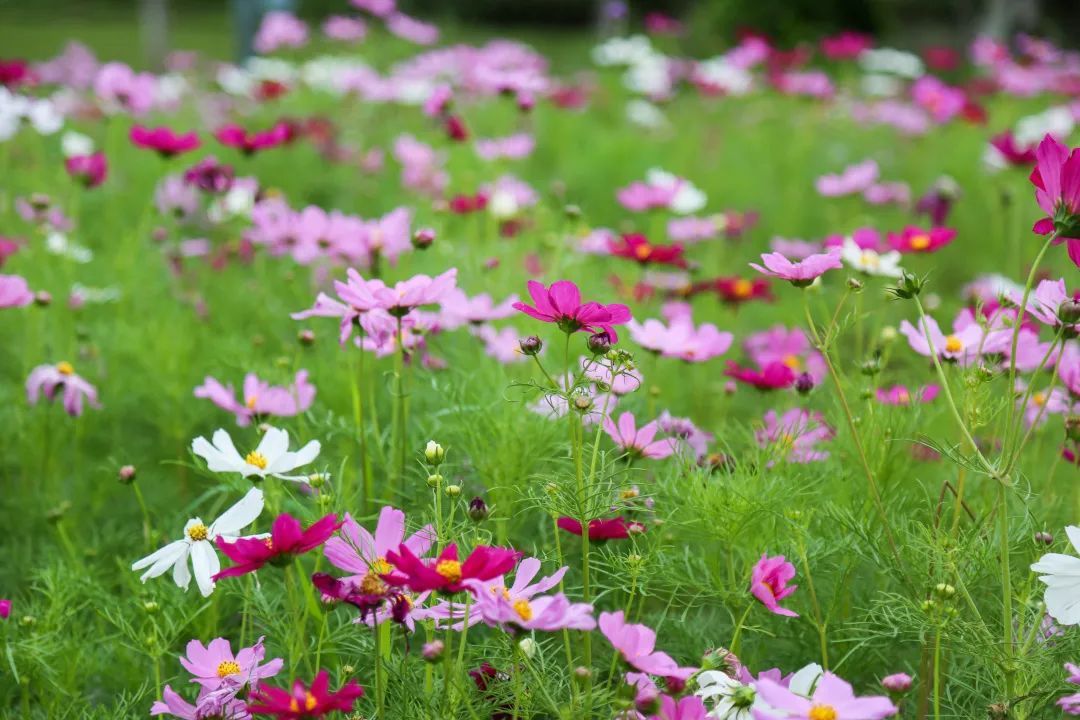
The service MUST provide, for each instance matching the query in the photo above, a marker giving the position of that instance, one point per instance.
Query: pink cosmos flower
(638, 442)
(14, 292)
(691, 229)
(900, 395)
(458, 309)
(853, 180)
(317, 700)
(588, 401)
(5, 609)
(795, 435)
(523, 588)
(1070, 704)
(794, 248)
(378, 8)
(833, 698)
(637, 645)
(260, 398)
(683, 428)
(942, 101)
(1042, 404)
(600, 529)
(411, 29)
(561, 304)
(47, 380)
(208, 704)
(288, 538)
(446, 573)
(421, 166)
(641, 197)
(344, 28)
(769, 583)
(90, 170)
(968, 342)
(251, 142)
(1056, 178)
(888, 193)
(121, 89)
(214, 666)
(280, 29)
(915, 239)
(1044, 304)
(511, 147)
(503, 607)
(681, 339)
(799, 274)
(790, 348)
(688, 707)
(772, 376)
(1069, 366)
(1005, 150)
(164, 141)
(601, 370)
(810, 83)
(503, 345)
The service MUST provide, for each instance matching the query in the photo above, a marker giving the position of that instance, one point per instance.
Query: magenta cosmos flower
(214, 666)
(1056, 178)
(600, 529)
(794, 435)
(446, 573)
(833, 699)
(914, 239)
(209, 704)
(260, 398)
(523, 588)
(769, 583)
(302, 701)
(799, 274)
(5, 609)
(47, 380)
(163, 140)
(689, 707)
(251, 142)
(561, 304)
(90, 170)
(288, 538)
(14, 292)
(637, 645)
(638, 442)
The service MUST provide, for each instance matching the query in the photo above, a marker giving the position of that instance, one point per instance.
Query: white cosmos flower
(871, 262)
(271, 457)
(735, 700)
(198, 544)
(75, 143)
(644, 113)
(1061, 573)
(688, 197)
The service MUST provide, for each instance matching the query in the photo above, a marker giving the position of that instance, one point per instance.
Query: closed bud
(531, 345)
(434, 480)
(347, 670)
(871, 367)
(316, 480)
(423, 238)
(27, 620)
(433, 651)
(984, 373)
(42, 298)
(804, 383)
(582, 673)
(928, 605)
(572, 211)
(478, 510)
(896, 684)
(888, 334)
(723, 660)
(945, 590)
(1069, 312)
(150, 607)
(599, 343)
(582, 403)
(1044, 538)
(528, 647)
(453, 490)
(907, 287)
(998, 711)
(854, 284)
(434, 453)
(126, 475)
(306, 337)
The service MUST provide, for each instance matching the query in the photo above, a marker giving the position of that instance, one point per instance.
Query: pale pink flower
(769, 583)
(795, 435)
(260, 398)
(14, 292)
(854, 179)
(799, 274)
(639, 442)
(48, 380)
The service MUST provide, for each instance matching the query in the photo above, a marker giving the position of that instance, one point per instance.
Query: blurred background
(141, 31)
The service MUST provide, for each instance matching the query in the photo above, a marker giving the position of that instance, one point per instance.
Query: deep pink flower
(1010, 153)
(163, 140)
(846, 45)
(773, 376)
(688, 707)
(1056, 178)
(799, 274)
(617, 528)
(637, 645)
(305, 702)
(210, 176)
(5, 609)
(261, 399)
(287, 539)
(47, 380)
(14, 292)
(769, 583)
(635, 246)
(914, 239)
(833, 698)
(446, 573)
(638, 442)
(900, 395)
(214, 665)
(561, 304)
(90, 170)
(795, 435)
(251, 142)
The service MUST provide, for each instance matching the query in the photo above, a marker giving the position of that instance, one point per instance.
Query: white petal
(205, 563)
(1063, 604)
(181, 574)
(160, 561)
(803, 681)
(215, 459)
(1074, 536)
(1057, 564)
(301, 457)
(274, 444)
(240, 515)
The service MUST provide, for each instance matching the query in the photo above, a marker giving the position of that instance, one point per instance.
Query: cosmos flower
(288, 538)
(198, 545)
(799, 274)
(90, 170)
(638, 442)
(208, 704)
(769, 583)
(600, 529)
(853, 180)
(561, 304)
(302, 701)
(968, 342)
(251, 142)
(637, 645)
(279, 29)
(1061, 575)
(1056, 178)
(260, 398)
(164, 141)
(48, 380)
(914, 239)
(546, 613)
(870, 261)
(635, 246)
(214, 665)
(14, 292)
(900, 395)
(795, 435)
(446, 573)
(271, 458)
(1045, 301)
(833, 698)
(523, 588)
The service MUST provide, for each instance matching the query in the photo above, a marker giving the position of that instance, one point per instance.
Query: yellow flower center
(823, 712)
(309, 703)
(257, 459)
(449, 569)
(786, 441)
(1039, 399)
(869, 259)
(65, 368)
(920, 242)
(643, 251)
(793, 362)
(742, 288)
(629, 493)
(953, 344)
(523, 609)
(227, 667)
(372, 583)
(198, 531)
(904, 397)
(251, 402)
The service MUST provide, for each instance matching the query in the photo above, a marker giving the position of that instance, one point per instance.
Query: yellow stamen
(449, 569)
(643, 251)
(822, 712)
(372, 583)
(523, 609)
(742, 288)
(869, 259)
(953, 344)
(793, 361)
(198, 531)
(309, 703)
(1039, 399)
(251, 402)
(65, 368)
(257, 459)
(920, 241)
(227, 667)
(629, 493)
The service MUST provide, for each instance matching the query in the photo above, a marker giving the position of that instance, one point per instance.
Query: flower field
(390, 375)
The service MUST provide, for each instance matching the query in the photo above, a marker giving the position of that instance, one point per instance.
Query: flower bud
(317, 480)
(433, 651)
(433, 481)
(528, 647)
(582, 673)
(423, 238)
(599, 343)
(928, 605)
(478, 510)
(907, 287)
(434, 453)
(572, 211)
(150, 607)
(530, 345)
(871, 367)
(1069, 312)
(347, 670)
(42, 298)
(945, 590)
(804, 383)
(582, 403)
(854, 284)
(306, 337)
(1044, 538)
(126, 475)
(896, 684)
(723, 660)
(453, 490)
(27, 620)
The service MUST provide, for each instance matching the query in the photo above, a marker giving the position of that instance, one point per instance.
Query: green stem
(1006, 593)
(734, 646)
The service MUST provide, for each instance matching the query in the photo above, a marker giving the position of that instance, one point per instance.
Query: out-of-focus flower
(49, 380)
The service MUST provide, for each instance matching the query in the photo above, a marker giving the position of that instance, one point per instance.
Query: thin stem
(734, 646)
(1006, 593)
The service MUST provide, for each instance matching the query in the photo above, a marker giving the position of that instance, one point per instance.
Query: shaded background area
(39, 29)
